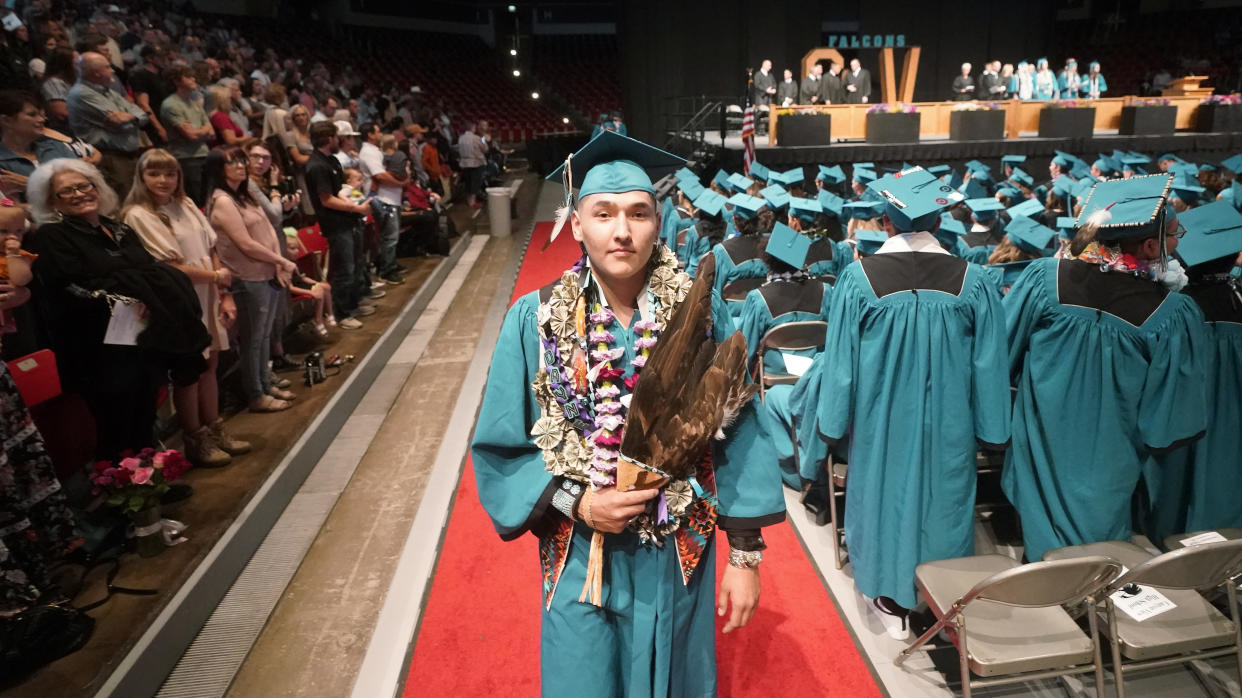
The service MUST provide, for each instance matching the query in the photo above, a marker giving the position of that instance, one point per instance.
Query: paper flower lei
(584, 399)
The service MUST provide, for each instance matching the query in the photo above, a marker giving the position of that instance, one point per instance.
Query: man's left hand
(739, 589)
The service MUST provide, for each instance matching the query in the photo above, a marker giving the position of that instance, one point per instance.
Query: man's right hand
(612, 510)
(120, 117)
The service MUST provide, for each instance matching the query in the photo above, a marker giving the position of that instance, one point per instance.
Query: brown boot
(224, 441)
(201, 450)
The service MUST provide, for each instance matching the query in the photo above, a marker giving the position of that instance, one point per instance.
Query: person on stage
(1022, 84)
(857, 84)
(990, 84)
(1068, 80)
(765, 85)
(1093, 85)
(964, 85)
(811, 85)
(787, 90)
(833, 90)
(548, 453)
(1045, 81)
(1098, 323)
(914, 334)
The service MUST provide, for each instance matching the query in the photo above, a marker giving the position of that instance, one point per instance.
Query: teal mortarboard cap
(790, 178)
(1233, 164)
(685, 174)
(1030, 236)
(956, 179)
(1080, 169)
(745, 205)
(1064, 159)
(984, 207)
(788, 245)
(976, 166)
(1101, 164)
(709, 202)
(1187, 168)
(1235, 194)
(1082, 187)
(972, 189)
(1127, 208)
(1007, 189)
(1066, 225)
(940, 170)
(1135, 158)
(1207, 166)
(864, 209)
(864, 165)
(722, 179)
(1020, 176)
(863, 175)
(740, 182)
(951, 225)
(984, 176)
(776, 196)
(1186, 188)
(914, 198)
(759, 172)
(1026, 209)
(831, 203)
(869, 241)
(831, 175)
(613, 164)
(690, 187)
(1063, 186)
(805, 210)
(1013, 159)
(1011, 271)
(1212, 231)
(1169, 156)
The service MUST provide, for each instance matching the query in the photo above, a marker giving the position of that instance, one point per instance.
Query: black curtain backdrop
(677, 48)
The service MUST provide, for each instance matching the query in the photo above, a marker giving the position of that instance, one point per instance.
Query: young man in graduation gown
(914, 373)
(1193, 488)
(857, 84)
(1103, 329)
(546, 450)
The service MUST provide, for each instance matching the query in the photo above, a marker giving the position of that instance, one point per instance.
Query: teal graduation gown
(914, 373)
(738, 258)
(1099, 387)
(655, 635)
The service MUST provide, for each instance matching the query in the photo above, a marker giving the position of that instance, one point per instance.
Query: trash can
(498, 211)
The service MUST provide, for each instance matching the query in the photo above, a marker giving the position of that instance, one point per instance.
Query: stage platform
(1189, 145)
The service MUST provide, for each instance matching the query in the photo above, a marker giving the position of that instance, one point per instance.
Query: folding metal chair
(789, 336)
(837, 473)
(1193, 628)
(735, 291)
(1007, 619)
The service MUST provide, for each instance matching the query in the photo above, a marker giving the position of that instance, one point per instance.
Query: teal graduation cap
(740, 182)
(788, 245)
(790, 178)
(1028, 208)
(721, 179)
(805, 210)
(1127, 208)
(914, 198)
(1186, 188)
(776, 196)
(1063, 186)
(869, 241)
(831, 175)
(863, 175)
(1233, 164)
(709, 202)
(1020, 176)
(690, 187)
(1212, 231)
(977, 166)
(831, 204)
(1013, 160)
(760, 172)
(949, 224)
(1031, 236)
(745, 205)
(984, 208)
(864, 209)
(940, 170)
(1067, 226)
(685, 174)
(972, 189)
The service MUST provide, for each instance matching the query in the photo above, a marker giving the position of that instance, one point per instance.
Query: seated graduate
(985, 232)
(826, 257)
(708, 230)
(677, 213)
(739, 257)
(914, 334)
(831, 219)
(790, 294)
(1190, 487)
(831, 179)
(553, 453)
(1096, 323)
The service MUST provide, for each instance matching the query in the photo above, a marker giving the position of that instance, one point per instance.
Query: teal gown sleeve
(696, 247)
(1172, 409)
(834, 407)
(990, 359)
(514, 486)
(1023, 307)
(754, 323)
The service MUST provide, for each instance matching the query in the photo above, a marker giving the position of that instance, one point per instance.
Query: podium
(1187, 87)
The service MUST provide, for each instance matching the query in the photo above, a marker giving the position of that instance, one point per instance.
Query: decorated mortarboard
(709, 202)
(940, 170)
(1212, 231)
(863, 175)
(788, 245)
(805, 209)
(831, 203)
(1011, 271)
(1127, 208)
(831, 175)
(745, 205)
(789, 178)
(869, 241)
(984, 207)
(864, 209)
(1031, 236)
(1066, 225)
(1233, 164)
(1063, 186)
(740, 182)
(610, 164)
(1013, 159)
(685, 174)
(1020, 176)
(776, 196)
(949, 224)
(759, 171)
(914, 198)
(1186, 188)
(721, 179)
(972, 189)
(1026, 209)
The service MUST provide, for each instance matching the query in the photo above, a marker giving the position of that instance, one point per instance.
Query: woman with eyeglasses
(249, 248)
(121, 323)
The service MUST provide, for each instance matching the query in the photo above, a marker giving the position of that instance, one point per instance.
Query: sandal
(267, 403)
(281, 394)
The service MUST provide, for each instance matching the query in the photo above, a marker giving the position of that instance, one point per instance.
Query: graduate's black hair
(746, 226)
(767, 220)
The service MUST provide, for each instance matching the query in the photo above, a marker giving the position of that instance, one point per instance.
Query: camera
(313, 368)
(287, 186)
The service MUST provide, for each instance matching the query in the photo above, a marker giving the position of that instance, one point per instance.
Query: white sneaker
(349, 323)
(895, 625)
(377, 284)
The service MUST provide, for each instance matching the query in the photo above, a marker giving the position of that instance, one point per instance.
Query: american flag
(748, 127)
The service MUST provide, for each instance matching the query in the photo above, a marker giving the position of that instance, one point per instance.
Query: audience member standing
(473, 153)
(102, 117)
(386, 205)
(22, 143)
(189, 130)
(58, 79)
(340, 221)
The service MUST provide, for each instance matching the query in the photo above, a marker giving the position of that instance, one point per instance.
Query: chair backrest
(1196, 567)
(795, 336)
(735, 291)
(1049, 583)
(681, 238)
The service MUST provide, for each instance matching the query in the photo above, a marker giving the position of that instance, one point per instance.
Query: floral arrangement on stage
(1149, 102)
(978, 106)
(1070, 104)
(786, 111)
(1223, 99)
(894, 108)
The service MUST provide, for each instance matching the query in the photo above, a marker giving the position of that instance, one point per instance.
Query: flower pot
(1056, 122)
(893, 128)
(977, 125)
(1219, 118)
(804, 129)
(148, 533)
(1148, 120)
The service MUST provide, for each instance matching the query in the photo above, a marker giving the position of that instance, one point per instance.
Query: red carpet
(479, 634)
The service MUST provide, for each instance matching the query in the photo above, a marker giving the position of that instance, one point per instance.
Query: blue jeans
(256, 306)
(344, 270)
(388, 218)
